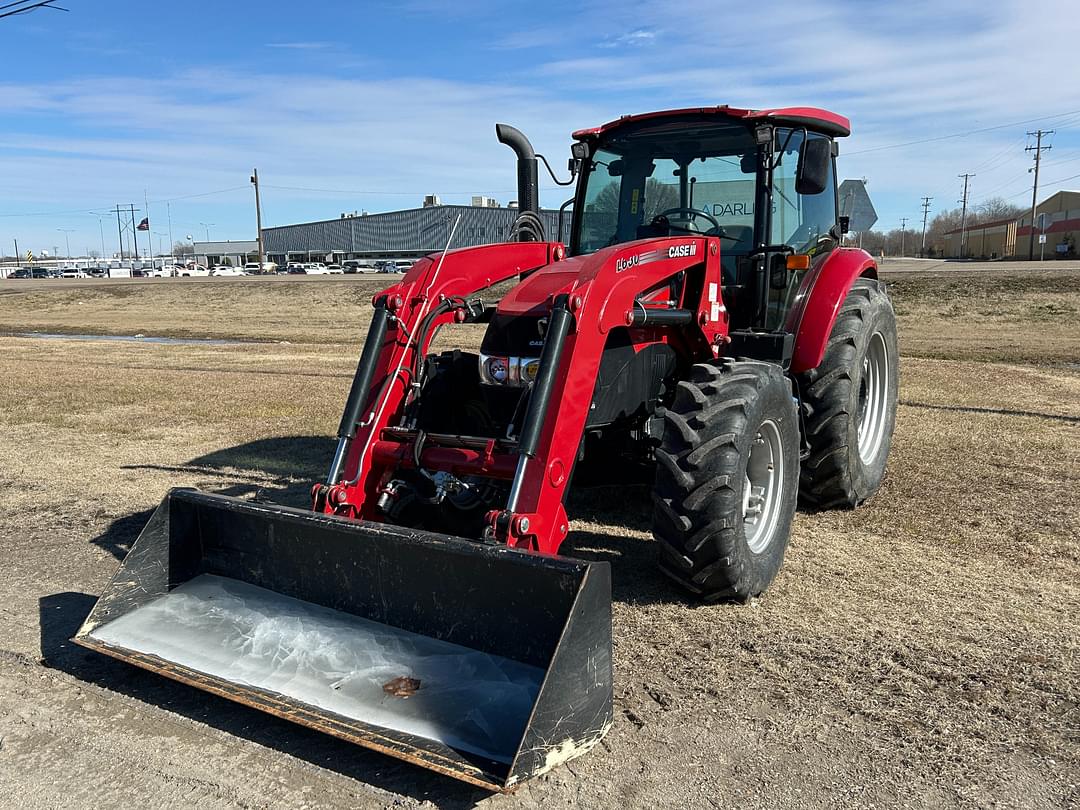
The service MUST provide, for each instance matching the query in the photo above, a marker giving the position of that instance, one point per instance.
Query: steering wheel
(717, 229)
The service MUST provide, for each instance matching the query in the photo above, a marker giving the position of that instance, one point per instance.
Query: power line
(963, 134)
(26, 7)
(156, 202)
(1038, 149)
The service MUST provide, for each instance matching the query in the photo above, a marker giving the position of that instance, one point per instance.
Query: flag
(144, 225)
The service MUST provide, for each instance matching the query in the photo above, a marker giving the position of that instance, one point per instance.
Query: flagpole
(134, 233)
(149, 241)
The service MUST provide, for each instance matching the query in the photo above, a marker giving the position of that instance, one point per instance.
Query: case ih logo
(682, 251)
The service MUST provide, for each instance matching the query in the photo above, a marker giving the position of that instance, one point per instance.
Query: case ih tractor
(703, 318)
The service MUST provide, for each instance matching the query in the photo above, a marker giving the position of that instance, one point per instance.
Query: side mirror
(748, 163)
(845, 224)
(615, 168)
(812, 175)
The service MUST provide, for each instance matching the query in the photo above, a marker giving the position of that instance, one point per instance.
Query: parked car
(358, 266)
(253, 268)
(335, 269)
(72, 272)
(194, 270)
(20, 272)
(40, 272)
(225, 270)
(315, 269)
(297, 270)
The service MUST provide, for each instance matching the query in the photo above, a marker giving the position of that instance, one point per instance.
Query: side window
(803, 221)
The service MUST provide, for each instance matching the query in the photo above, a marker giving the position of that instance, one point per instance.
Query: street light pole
(67, 241)
(207, 225)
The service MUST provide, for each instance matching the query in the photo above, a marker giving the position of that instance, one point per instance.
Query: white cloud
(301, 46)
(900, 72)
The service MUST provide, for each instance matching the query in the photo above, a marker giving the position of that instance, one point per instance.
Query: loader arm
(606, 296)
(609, 289)
(380, 394)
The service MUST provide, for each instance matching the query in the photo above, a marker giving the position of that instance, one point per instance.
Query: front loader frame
(628, 286)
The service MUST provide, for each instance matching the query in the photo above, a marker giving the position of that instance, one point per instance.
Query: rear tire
(727, 479)
(850, 401)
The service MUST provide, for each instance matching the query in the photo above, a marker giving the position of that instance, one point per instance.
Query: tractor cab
(763, 182)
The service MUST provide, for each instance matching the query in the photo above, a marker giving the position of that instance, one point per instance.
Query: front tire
(850, 401)
(727, 479)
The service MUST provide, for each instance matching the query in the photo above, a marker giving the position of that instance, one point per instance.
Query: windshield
(700, 178)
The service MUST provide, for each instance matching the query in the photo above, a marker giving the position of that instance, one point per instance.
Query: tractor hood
(533, 295)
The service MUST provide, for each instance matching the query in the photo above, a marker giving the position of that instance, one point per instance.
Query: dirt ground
(920, 651)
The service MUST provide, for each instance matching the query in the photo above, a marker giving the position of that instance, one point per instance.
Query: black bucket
(482, 662)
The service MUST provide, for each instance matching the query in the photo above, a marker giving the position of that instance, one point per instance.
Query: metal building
(406, 234)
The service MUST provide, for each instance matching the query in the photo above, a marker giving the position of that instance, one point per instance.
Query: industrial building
(235, 253)
(1012, 238)
(407, 234)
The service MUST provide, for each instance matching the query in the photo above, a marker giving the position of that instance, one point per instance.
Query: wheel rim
(763, 488)
(873, 395)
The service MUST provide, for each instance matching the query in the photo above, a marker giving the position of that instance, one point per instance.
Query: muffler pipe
(527, 171)
(360, 391)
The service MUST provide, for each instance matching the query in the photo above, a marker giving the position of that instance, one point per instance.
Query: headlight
(529, 367)
(495, 370)
(514, 371)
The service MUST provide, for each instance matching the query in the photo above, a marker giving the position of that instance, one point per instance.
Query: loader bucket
(482, 662)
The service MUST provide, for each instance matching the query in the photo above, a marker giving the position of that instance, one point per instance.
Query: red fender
(818, 301)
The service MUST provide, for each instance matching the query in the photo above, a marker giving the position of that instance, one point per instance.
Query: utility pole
(1038, 149)
(119, 232)
(903, 229)
(18, 261)
(258, 217)
(963, 214)
(925, 214)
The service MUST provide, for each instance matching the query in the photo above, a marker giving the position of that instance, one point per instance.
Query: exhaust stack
(528, 184)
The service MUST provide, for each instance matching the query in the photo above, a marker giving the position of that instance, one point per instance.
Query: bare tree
(183, 249)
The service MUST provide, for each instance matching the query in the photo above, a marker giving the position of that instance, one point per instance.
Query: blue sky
(350, 106)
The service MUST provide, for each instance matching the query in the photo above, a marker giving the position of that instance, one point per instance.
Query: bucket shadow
(60, 616)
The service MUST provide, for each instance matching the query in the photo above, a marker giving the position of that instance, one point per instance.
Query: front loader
(703, 320)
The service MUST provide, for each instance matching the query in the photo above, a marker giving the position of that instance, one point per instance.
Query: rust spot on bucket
(402, 687)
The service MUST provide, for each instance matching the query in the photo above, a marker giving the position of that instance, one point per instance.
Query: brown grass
(921, 650)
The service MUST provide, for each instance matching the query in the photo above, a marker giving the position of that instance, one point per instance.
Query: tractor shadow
(610, 505)
(278, 470)
(60, 616)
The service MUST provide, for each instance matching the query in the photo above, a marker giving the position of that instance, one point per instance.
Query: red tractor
(703, 318)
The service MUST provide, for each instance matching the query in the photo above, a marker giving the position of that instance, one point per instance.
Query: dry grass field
(920, 651)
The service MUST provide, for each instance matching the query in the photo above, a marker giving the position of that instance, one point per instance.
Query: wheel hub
(873, 395)
(763, 487)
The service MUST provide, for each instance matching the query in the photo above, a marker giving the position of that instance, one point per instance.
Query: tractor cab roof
(814, 118)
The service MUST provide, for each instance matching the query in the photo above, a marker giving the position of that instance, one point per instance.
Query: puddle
(168, 341)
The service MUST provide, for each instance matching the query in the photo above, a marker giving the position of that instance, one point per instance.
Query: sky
(371, 105)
